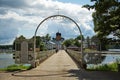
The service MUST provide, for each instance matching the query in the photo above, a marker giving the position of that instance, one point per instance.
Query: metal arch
(59, 16)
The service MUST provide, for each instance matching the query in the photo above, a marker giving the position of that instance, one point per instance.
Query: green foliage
(79, 37)
(17, 67)
(90, 50)
(42, 46)
(41, 41)
(101, 42)
(38, 40)
(75, 41)
(3, 69)
(105, 67)
(48, 37)
(104, 42)
(6, 46)
(106, 17)
(68, 42)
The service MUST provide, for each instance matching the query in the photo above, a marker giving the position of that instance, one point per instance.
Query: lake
(111, 58)
(6, 59)
(108, 59)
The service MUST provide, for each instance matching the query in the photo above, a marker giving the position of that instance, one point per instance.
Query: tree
(42, 46)
(21, 37)
(100, 42)
(68, 42)
(77, 43)
(79, 37)
(48, 37)
(74, 42)
(106, 17)
(6, 46)
(38, 40)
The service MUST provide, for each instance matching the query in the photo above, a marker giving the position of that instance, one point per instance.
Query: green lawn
(16, 68)
(105, 67)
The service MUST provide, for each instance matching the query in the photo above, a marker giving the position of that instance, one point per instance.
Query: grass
(105, 67)
(90, 50)
(16, 67)
(3, 69)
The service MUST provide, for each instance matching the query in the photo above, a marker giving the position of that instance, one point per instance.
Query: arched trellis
(63, 17)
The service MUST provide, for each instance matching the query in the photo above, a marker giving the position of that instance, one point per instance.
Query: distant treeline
(6, 46)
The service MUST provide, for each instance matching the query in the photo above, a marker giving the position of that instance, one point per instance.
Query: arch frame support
(53, 17)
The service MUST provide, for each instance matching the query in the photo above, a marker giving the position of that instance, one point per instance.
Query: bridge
(60, 66)
(26, 51)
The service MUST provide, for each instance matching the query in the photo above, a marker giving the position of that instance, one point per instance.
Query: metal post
(33, 62)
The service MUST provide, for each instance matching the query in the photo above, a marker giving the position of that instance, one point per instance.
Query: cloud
(21, 17)
(13, 3)
(7, 33)
(3, 11)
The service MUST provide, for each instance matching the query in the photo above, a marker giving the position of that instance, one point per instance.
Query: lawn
(16, 67)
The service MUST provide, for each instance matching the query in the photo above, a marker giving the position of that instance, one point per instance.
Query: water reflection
(6, 59)
(111, 58)
(93, 58)
(108, 58)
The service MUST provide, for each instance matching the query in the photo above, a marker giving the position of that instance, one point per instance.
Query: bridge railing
(43, 55)
(77, 57)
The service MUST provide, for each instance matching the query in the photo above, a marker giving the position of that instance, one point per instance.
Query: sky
(21, 17)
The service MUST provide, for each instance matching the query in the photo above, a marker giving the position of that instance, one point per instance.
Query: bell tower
(58, 36)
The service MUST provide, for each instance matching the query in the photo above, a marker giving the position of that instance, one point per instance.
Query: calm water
(6, 60)
(111, 58)
(108, 59)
